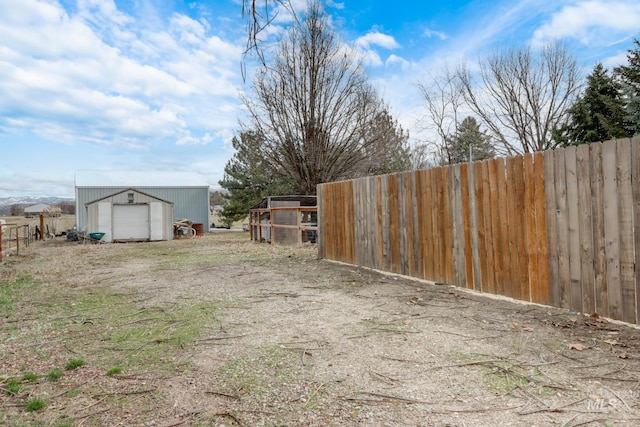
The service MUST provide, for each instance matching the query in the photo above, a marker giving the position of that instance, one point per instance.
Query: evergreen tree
(597, 115)
(394, 143)
(468, 141)
(248, 178)
(630, 82)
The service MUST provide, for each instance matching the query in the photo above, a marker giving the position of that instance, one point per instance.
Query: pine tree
(248, 178)
(468, 143)
(630, 82)
(597, 115)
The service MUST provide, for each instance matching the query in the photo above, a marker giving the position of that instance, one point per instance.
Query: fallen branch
(619, 398)
(227, 415)
(220, 338)
(385, 398)
(8, 391)
(218, 393)
(458, 365)
(383, 378)
(126, 393)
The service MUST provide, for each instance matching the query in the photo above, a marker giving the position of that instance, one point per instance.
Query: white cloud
(593, 22)
(393, 60)
(432, 33)
(99, 77)
(376, 38)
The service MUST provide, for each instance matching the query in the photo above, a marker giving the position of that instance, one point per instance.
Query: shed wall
(188, 202)
(100, 216)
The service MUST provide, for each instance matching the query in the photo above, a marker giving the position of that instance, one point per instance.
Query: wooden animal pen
(560, 227)
(284, 220)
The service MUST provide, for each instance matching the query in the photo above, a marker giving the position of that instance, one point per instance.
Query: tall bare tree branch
(315, 108)
(522, 97)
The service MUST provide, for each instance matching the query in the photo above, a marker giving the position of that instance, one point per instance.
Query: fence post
(17, 241)
(0, 243)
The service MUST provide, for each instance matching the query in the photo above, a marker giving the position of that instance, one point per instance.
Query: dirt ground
(298, 341)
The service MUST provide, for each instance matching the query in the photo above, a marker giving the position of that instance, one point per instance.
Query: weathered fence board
(597, 212)
(552, 228)
(585, 231)
(611, 228)
(625, 218)
(635, 182)
(560, 227)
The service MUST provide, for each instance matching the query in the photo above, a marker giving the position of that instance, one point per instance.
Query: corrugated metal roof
(109, 178)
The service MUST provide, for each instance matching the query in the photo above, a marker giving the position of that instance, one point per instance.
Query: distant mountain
(33, 200)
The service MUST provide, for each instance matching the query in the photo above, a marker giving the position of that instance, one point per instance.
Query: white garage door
(130, 222)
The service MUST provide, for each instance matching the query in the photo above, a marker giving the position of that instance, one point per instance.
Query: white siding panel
(104, 220)
(157, 218)
(130, 222)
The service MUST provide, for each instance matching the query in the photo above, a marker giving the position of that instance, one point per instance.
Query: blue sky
(154, 85)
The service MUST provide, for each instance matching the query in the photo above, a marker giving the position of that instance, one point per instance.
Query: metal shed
(35, 210)
(130, 216)
(189, 192)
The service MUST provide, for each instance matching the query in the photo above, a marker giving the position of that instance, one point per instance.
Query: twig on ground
(566, 423)
(459, 365)
(218, 338)
(619, 398)
(218, 393)
(127, 393)
(584, 423)
(227, 415)
(383, 378)
(8, 391)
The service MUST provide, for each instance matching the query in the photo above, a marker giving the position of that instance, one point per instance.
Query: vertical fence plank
(419, 215)
(530, 231)
(597, 221)
(585, 229)
(408, 223)
(361, 232)
(320, 220)
(466, 212)
(386, 223)
(350, 223)
(611, 228)
(625, 216)
(429, 232)
(415, 190)
(489, 279)
(552, 231)
(394, 223)
(562, 229)
(573, 224)
(372, 210)
(380, 197)
(542, 249)
(438, 219)
(505, 287)
(496, 247)
(512, 229)
(635, 183)
(447, 227)
(480, 259)
(474, 226)
(457, 226)
(403, 261)
(520, 256)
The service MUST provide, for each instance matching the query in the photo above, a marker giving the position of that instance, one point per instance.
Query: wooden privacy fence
(559, 227)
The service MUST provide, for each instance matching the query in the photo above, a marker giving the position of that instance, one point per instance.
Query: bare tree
(443, 100)
(259, 15)
(522, 97)
(313, 106)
